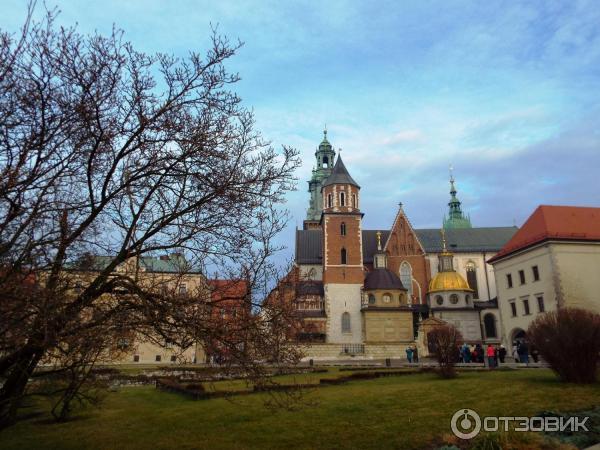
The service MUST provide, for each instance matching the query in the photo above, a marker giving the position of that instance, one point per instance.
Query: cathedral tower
(456, 218)
(325, 156)
(343, 275)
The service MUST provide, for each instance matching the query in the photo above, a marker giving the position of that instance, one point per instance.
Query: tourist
(515, 352)
(474, 356)
(409, 354)
(466, 351)
(502, 353)
(415, 354)
(480, 356)
(491, 356)
(524, 353)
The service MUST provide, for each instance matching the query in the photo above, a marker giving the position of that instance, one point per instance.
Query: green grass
(410, 411)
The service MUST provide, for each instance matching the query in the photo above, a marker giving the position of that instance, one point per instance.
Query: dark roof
(489, 304)
(173, 263)
(382, 279)
(485, 239)
(311, 288)
(488, 239)
(309, 247)
(565, 223)
(339, 175)
(369, 244)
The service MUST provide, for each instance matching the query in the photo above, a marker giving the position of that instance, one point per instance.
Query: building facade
(368, 290)
(553, 261)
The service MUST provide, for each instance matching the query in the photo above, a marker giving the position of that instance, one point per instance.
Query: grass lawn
(409, 411)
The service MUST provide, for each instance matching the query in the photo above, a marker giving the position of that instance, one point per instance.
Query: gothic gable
(402, 239)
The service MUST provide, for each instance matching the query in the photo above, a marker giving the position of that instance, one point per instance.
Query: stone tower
(343, 275)
(325, 156)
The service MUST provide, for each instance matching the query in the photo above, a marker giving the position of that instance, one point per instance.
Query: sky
(507, 92)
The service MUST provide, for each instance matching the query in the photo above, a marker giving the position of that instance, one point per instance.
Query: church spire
(325, 157)
(456, 218)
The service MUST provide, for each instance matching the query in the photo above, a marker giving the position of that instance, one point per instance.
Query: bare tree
(444, 342)
(105, 150)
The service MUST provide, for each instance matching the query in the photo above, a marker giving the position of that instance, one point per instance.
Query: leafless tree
(444, 342)
(105, 150)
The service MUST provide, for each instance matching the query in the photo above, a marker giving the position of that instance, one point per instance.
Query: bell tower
(325, 157)
(343, 275)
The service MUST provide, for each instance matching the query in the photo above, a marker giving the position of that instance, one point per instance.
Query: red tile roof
(571, 223)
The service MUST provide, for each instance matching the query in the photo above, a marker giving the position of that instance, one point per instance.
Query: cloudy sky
(507, 92)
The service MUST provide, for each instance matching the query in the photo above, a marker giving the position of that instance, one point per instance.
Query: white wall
(340, 298)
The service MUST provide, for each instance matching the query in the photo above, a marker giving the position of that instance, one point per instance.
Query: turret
(456, 218)
(325, 158)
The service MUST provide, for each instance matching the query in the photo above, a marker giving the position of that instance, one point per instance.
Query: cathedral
(373, 293)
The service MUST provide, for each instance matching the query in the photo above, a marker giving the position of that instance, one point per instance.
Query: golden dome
(448, 281)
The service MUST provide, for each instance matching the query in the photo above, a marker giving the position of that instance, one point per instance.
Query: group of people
(495, 353)
(412, 354)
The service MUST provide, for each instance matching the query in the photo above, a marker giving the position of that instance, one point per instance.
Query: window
(472, 278)
(343, 229)
(387, 298)
(536, 273)
(513, 309)
(342, 199)
(346, 323)
(489, 324)
(354, 205)
(439, 300)
(468, 299)
(522, 276)
(136, 358)
(173, 358)
(158, 358)
(371, 299)
(526, 307)
(325, 162)
(509, 280)
(406, 276)
(343, 256)
(454, 299)
(329, 200)
(182, 289)
(540, 302)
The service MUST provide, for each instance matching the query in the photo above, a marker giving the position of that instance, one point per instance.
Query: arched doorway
(489, 325)
(518, 335)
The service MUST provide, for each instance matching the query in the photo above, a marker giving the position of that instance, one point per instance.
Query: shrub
(444, 341)
(197, 387)
(569, 341)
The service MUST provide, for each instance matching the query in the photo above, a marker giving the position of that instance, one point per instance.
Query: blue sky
(506, 92)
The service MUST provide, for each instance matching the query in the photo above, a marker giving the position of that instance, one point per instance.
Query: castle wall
(339, 299)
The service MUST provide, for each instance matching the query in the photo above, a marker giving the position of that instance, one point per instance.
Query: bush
(444, 341)
(569, 341)
(197, 387)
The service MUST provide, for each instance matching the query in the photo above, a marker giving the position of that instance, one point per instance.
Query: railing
(353, 349)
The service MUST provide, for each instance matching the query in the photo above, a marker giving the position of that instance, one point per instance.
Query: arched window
(354, 205)
(489, 323)
(406, 276)
(342, 199)
(325, 162)
(329, 200)
(387, 298)
(371, 299)
(346, 325)
(454, 299)
(343, 229)
(468, 299)
(343, 256)
(439, 300)
(472, 278)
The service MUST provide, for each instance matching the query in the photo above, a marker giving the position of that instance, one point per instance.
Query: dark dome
(382, 279)
(339, 175)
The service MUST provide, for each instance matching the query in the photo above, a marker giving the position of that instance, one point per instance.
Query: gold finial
(378, 240)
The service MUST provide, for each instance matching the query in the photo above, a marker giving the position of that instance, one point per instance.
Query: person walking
(466, 352)
(502, 353)
(409, 354)
(415, 356)
(524, 353)
(491, 356)
(515, 352)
